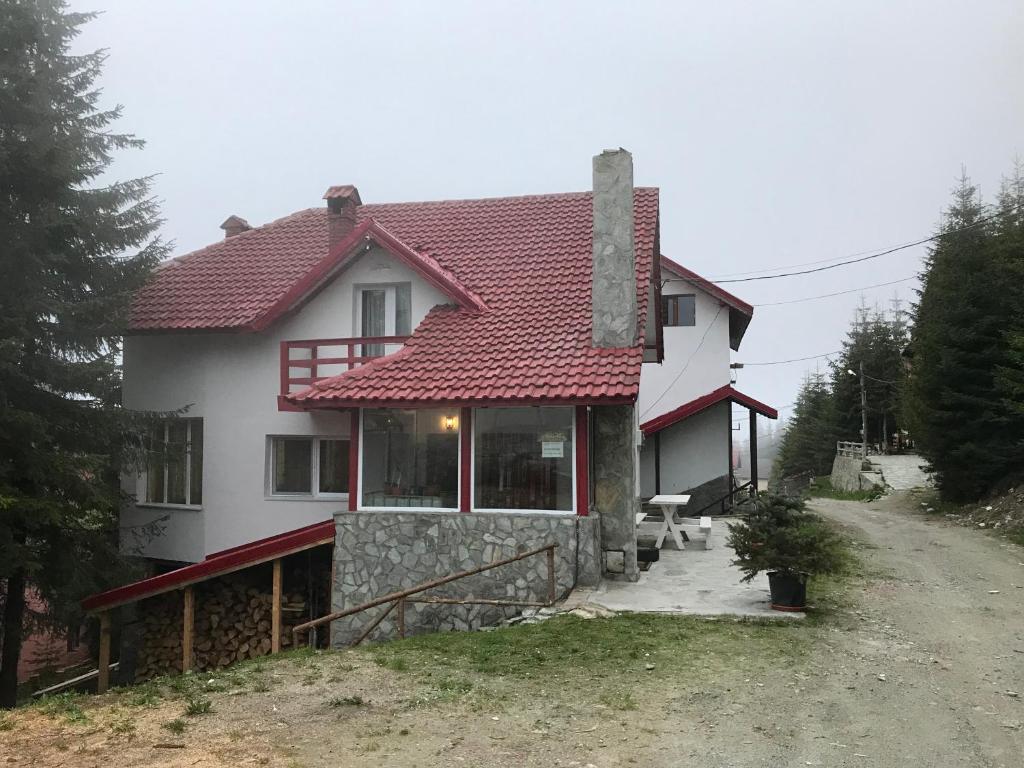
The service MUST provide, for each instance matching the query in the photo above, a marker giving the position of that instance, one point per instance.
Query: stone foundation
(380, 552)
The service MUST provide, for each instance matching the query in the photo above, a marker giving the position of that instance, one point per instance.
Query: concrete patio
(694, 581)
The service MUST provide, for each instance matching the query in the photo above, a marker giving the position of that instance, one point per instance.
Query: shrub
(782, 536)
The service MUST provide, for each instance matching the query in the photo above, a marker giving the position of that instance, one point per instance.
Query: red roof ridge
(686, 410)
(498, 198)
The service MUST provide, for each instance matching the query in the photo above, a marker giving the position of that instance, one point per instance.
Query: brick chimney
(234, 225)
(613, 270)
(342, 202)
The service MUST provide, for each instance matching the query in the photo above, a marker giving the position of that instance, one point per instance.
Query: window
(410, 458)
(523, 458)
(384, 310)
(308, 466)
(679, 310)
(174, 470)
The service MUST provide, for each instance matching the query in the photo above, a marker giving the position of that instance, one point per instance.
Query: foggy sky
(779, 132)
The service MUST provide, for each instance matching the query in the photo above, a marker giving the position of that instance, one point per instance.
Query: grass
(64, 705)
(123, 724)
(621, 645)
(198, 706)
(176, 726)
(822, 488)
(5, 724)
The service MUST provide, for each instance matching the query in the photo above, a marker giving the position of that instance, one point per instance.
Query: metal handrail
(720, 501)
(398, 599)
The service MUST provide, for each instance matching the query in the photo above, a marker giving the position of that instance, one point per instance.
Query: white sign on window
(552, 450)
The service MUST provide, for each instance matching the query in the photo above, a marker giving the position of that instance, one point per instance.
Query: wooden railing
(399, 599)
(306, 361)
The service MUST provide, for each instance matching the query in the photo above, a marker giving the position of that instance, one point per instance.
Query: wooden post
(188, 624)
(103, 681)
(753, 453)
(275, 610)
(401, 618)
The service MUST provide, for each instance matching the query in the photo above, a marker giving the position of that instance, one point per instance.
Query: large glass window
(523, 458)
(308, 466)
(174, 472)
(411, 458)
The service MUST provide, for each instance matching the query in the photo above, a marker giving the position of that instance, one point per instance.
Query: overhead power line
(794, 360)
(886, 252)
(837, 293)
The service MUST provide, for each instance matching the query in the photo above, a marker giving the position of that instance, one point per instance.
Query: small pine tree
(73, 253)
(808, 442)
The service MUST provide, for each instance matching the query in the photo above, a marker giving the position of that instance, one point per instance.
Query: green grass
(176, 726)
(5, 724)
(65, 705)
(822, 488)
(565, 645)
(198, 706)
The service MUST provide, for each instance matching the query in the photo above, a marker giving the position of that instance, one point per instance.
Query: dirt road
(923, 665)
(927, 669)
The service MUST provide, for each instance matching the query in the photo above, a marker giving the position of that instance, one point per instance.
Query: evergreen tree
(73, 252)
(959, 396)
(808, 443)
(875, 340)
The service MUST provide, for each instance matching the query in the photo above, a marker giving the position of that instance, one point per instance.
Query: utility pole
(863, 413)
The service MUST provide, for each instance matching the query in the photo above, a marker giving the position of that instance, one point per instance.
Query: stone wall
(380, 552)
(615, 491)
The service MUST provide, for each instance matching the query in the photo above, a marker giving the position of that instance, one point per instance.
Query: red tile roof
(684, 411)
(217, 564)
(526, 260)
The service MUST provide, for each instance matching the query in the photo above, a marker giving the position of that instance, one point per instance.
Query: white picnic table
(693, 528)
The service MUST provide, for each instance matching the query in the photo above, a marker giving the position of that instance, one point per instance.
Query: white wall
(232, 382)
(707, 365)
(693, 451)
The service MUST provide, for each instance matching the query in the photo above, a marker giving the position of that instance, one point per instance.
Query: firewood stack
(232, 623)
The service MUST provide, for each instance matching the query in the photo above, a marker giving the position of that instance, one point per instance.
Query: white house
(685, 402)
(424, 387)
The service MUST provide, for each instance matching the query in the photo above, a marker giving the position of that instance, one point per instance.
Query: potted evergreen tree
(790, 543)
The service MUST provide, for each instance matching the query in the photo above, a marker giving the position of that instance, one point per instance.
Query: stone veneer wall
(615, 487)
(380, 552)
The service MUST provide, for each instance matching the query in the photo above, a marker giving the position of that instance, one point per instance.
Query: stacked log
(232, 623)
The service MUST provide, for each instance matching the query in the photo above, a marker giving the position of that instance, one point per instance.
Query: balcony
(305, 362)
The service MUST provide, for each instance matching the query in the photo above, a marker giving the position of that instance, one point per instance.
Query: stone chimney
(613, 310)
(234, 225)
(342, 202)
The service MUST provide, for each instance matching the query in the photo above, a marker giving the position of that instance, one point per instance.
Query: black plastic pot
(789, 591)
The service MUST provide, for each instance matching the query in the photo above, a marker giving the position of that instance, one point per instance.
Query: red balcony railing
(305, 362)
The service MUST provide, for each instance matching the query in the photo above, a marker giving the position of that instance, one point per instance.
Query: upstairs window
(174, 472)
(308, 466)
(384, 310)
(679, 310)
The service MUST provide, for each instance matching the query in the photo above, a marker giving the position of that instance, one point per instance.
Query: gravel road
(926, 670)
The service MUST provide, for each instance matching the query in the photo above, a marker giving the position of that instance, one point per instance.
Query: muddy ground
(918, 662)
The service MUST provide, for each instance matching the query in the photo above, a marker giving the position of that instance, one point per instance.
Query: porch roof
(722, 394)
(216, 564)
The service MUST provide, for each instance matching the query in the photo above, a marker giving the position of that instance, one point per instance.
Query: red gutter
(217, 564)
(726, 393)
(453, 403)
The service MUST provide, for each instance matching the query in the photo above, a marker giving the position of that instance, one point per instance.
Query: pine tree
(876, 340)
(808, 443)
(970, 302)
(73, 252)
